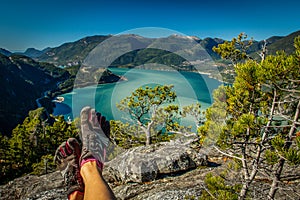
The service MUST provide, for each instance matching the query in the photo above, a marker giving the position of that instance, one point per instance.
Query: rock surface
(147, 163)
(49, 186)
(184, 181)
(135, 166)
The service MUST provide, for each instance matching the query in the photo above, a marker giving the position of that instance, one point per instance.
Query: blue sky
(43, 23)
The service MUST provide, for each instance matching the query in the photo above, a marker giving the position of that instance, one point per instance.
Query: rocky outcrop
(157, 163)
(49, 186)
(147, 163)
(187, 185)
(176, 176)
(108, 77)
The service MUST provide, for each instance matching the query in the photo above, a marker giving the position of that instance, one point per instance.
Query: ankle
(92, 159)
(89, 170)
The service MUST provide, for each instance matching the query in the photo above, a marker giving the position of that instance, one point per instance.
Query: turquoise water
(190, 87)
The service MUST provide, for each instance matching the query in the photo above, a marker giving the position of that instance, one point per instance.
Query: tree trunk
(148, 133)
(148, 137)
(244, 191)
(276, 179)
(277, 174)
(248, 181)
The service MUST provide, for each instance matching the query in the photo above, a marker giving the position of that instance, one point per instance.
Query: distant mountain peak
(30, 50)
(5, 52)
(35, 53)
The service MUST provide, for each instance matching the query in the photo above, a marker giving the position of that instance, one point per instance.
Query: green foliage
(271, 157)
(293, 156)
(194, 111)
(125, 135)
(148, 55)
(261, 110)
(38, 136)
(72, 52)
(278, 142)
(218, 189)
(189, 197)
(59, 132)
(262, 106)
(234, 50)
(153, 113)
(142, 99)
(215, 115)
(23, 80)
(5, 166)
(150, 109)
(54, 71)
(128, 135)
(250, 97)
(284, 44)
(166, 119)
(45, 166)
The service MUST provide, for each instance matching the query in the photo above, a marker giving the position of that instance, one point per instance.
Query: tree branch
(287, 90)
(226, 154)
(212, 196)
(263, 53)
(184, 134)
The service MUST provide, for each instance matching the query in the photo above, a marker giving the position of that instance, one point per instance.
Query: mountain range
(25, 76)
(73, 53)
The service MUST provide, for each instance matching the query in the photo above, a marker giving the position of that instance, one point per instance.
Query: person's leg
(77, 195)
(87, 183)
(95, 186)
(81, 168)
(95, 131)
(67, 159)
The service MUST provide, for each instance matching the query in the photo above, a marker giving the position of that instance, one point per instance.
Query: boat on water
(59, 99)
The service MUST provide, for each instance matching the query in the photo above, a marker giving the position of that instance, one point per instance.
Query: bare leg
(77, 195)
(95, 186)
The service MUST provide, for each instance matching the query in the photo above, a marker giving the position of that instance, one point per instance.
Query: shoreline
(54, 93)
(209, 74)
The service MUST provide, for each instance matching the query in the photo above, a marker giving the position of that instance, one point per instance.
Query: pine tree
(148, 108)
(262, 113)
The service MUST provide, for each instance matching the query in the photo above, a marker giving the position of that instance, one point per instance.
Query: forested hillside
(23, 80)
